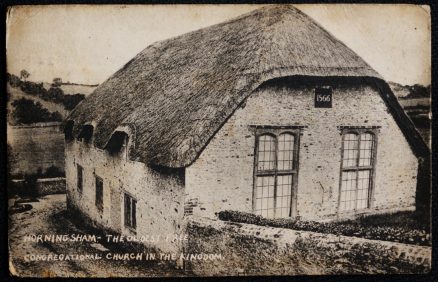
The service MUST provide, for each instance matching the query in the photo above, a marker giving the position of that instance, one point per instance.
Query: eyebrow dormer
(119, 144)
(86, 133)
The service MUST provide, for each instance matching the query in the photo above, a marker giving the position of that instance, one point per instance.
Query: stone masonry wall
(222, 177)
(47, 186)
(159, 195)
(252, 250)
(44, 186)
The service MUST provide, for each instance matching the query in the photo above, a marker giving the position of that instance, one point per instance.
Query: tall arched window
(358, 155)
(275, 173)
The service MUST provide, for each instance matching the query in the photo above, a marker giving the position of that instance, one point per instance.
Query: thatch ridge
(178, 93)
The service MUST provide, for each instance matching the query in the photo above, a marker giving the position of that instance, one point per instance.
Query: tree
(13, 80)
(24, 74)
(70, 101)
(418, 91)
(55, 94)
(57, 81)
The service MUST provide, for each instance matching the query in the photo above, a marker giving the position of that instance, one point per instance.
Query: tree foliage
(24, 74)
(57, 82)
(13, 80)
(27, 111)
(418, 91)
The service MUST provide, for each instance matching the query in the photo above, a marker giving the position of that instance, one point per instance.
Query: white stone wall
(222, 177)
(159, 196)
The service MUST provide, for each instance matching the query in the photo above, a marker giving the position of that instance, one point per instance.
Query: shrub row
(26, 111)
(389, 231)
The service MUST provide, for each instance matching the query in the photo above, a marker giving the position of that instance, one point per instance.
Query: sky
(86, 44)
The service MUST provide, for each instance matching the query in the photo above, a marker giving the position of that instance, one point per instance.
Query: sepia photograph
(218, 140)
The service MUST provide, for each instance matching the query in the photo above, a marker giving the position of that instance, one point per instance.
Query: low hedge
(389, 230)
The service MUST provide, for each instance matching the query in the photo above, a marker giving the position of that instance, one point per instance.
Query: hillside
(415, 91)
(416, 101)
(17, 93)
(42, 99)
(73, 88)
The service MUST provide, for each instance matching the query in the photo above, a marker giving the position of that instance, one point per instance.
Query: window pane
(285, 151)
(348, 190)
(350, 150)
(99, 194)
(366, 149)
(269, 213)
(284, 194)
(134, 207)
(80, 178)
(266, 153)
(265, 196)
(363, 186)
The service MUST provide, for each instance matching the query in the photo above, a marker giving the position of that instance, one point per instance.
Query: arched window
(357, 170)
(275, 173)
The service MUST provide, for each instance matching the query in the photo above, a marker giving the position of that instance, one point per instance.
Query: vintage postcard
(218, 140)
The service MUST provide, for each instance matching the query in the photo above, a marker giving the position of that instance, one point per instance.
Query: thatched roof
(176, 94)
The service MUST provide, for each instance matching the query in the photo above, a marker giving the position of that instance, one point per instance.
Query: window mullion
(265, 173)
(358, 150)
(364, 168)
(372, 169)
(275, 174)
(286, 172)
(294, 174)
(357, 171)
(130, 211)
